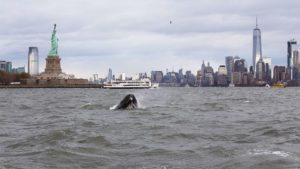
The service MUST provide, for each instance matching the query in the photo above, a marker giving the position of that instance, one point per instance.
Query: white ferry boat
(128, 84)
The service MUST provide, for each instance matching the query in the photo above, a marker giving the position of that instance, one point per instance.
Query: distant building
(222, 80)
(222, 76)
(237, 78)
(202, 74)
(180, 76)
(96, 79)
(207, 75)
(239, 70)
(3, 66)
(268, 67)
(198, 78)
(9, 67)
(229, 66)
(110, 75)
(33, 61)
(6, 66)
(260, 70)
(171, 78)
(222, 70)
(122, 76)
(290, 48)
(251, 71)
(157, 76)
(240, 65)
(268, 73)
(19, 70)
(190, 78)
(142, 76)
(296, 65)
(257, 46)
(279, 73)
(251, 79)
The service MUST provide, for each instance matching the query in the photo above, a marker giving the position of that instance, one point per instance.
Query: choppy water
(175, 128)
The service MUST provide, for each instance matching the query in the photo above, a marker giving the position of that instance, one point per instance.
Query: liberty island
(53, 75)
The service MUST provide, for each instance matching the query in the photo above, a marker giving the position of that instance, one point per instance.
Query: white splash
(113, 107)
(140, 99)
(140, 106)
(268, 152)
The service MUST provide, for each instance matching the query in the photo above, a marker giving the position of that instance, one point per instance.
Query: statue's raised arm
(54, 43)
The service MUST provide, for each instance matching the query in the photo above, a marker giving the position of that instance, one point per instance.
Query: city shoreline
(51, 86)
(100, 86)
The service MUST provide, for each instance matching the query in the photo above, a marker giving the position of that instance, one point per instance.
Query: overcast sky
(136, 36)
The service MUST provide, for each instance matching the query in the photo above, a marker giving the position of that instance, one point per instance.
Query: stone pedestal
(53, 65)
(52, 70)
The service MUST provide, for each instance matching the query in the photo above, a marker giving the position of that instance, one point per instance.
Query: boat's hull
(279, 86)
(126, 87)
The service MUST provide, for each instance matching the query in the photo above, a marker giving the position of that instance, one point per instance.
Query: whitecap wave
(85, 105)
(268, 152)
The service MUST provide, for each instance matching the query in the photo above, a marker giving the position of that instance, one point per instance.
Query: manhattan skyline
(134, 36)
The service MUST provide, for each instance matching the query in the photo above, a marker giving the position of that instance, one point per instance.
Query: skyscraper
(222, 70)
(260, 70)
(8, 67)
(279, 73)
(229, 66)
(296, 65)
(290, 64)
(110, 75)
(268, 67)
(157, 76)
(3, 66)
(33, 61)
(240, 65)
(222, 76)
(239, 69)
(257, 49)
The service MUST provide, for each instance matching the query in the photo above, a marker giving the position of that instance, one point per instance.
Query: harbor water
(173, 128)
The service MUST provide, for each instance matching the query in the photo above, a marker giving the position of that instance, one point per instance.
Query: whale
(129, 102)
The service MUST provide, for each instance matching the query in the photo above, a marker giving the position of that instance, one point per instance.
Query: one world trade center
(257, 52)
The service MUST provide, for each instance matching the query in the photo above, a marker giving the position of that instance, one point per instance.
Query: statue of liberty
(54, 43)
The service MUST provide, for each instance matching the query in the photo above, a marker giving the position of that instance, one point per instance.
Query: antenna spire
(256, 22)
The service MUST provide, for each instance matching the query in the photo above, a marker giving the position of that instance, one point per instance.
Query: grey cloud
(135, 36)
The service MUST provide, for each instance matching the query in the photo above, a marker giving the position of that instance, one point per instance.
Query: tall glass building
(290, 48)
(229, 66)
(33, 61)
(3, 66)
(296, 65)
(110, 75)
(8, 67)
(260, 70)
(290, 45)
(268, 66)
(257, 49)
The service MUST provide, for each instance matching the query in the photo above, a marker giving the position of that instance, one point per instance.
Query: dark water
(175, 128)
